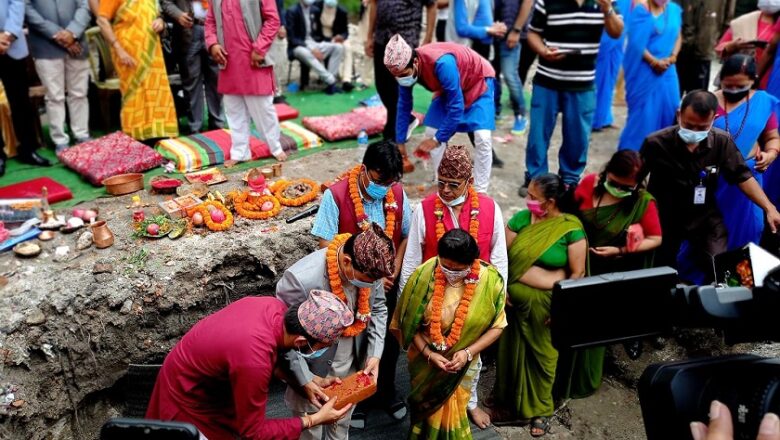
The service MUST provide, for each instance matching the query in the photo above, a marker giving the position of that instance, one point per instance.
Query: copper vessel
(101, 235)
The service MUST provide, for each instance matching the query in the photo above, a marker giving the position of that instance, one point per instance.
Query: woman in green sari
(609, 203)
(451, 309)
(545, 246)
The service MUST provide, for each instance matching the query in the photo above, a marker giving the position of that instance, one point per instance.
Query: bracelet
(306, 421)
(773, 149)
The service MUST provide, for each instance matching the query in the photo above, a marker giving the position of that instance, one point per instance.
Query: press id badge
(699, 195)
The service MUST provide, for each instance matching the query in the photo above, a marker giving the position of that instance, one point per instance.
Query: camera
(619, 307)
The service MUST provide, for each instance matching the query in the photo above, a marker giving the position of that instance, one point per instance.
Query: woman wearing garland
(545, 246)
(372, 193)
(457, 205)
(451, 309)
(609, 203)
(352, 267)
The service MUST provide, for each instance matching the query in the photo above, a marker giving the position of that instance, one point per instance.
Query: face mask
(736, 95)
(770, 7)
(308, 2)
(375, 190)
(360, 284)
(691, 137)
(660, 3)
(535, 207)
(331, 3)
(455, 276)
(313, 354)
(614, 192)
(407, 81)
(455, 202)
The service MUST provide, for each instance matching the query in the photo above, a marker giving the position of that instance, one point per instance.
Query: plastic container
(362, 138)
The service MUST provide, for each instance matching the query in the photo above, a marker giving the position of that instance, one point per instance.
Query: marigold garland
(440, 283)
(203, 209)
(252, 210)
(437, 302)
(363, 314)
(280, 187)
(360, 214)
(473, 223)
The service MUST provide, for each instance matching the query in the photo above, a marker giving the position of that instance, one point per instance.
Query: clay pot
(101, 235)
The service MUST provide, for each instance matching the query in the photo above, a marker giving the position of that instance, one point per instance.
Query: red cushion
(116, 153)
(348, 125)
(31, 189)
(284, 112)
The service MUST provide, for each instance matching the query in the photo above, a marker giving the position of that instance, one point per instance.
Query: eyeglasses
(453, 186)
(621, 187)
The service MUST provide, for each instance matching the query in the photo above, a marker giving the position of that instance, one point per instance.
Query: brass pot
(101, 235)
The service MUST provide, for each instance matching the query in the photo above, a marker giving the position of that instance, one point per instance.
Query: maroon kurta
(217, 376)
(487, 212)
(347, 219)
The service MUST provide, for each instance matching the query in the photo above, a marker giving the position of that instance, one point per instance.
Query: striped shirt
(565, 25)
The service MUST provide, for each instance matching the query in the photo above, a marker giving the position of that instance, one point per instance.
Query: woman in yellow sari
(451, 309)
(131, 28)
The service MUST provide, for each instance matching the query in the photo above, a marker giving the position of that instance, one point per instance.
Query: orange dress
(147, 103)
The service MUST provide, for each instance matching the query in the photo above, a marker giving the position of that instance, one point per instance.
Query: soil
(72, 324)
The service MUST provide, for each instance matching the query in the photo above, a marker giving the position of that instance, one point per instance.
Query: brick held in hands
(352, 389)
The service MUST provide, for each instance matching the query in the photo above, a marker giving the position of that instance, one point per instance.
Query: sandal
(502, 417)
(541, 424)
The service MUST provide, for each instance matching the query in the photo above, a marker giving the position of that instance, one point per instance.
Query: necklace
(360, 213)
(363, 314)
(744, 118)
(612, 216)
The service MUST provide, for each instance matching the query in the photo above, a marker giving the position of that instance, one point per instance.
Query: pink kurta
(217, 376)
(239, 77)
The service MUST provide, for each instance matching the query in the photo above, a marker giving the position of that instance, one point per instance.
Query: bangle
(775, 150)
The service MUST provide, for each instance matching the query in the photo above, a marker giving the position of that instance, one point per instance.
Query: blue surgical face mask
(454, 202)
(359, 284)
(375, 190)
(314, 354)
(331, 3)
(407, 81)
(691, 137)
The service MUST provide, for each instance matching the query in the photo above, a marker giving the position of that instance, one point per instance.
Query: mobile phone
(568, 51)
(759, 43)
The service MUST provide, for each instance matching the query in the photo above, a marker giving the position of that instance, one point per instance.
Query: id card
(699, 195)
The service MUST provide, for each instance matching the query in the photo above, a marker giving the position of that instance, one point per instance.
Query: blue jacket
(12, 20)
(47, 17)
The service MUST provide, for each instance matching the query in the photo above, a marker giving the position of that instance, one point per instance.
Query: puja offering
(47, 235)
(277, 169)
(50, 221)
(27, 250)
(73, 224)
(199, 190)
(215, 215)
(268, 173)
(208, 176)
(256, 179)
(165, 184)
(154, 227)
(352, 389)
(178, 229)
(101, 235)
(85, 214)
(178, 207)
(296, 192)
(259, 207)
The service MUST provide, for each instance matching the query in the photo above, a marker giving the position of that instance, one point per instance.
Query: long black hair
(552, 187)
(740, 63)
(459, 246)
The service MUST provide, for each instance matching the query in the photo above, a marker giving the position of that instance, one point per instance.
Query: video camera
(619, 307)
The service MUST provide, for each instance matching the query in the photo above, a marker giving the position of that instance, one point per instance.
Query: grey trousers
(334, 52)
(202, 72)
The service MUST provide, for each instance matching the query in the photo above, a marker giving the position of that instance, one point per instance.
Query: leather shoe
(34, 159)
(2, 167)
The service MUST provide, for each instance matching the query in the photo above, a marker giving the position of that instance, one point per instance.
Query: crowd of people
(448, 279)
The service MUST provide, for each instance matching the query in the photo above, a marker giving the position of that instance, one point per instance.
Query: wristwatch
(518, 30)
(469, 357)
(610, 12)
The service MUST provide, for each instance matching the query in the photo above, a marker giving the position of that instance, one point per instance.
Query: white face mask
(770, 7)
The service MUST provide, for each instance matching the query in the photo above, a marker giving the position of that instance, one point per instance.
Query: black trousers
(527, 58)
(441, 31)
(387, 88)
(13, 74)
(693, 73)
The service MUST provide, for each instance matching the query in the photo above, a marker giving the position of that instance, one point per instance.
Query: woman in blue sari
(652, 89)
(608, 63)
(749, 116)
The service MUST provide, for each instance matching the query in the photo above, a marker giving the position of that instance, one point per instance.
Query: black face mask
(735, 97)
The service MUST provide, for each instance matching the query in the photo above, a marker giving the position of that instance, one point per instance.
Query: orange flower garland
(211, 224)
(298, 201)
(390, 205)
(363, 314)
(441, 343)
(252, 209)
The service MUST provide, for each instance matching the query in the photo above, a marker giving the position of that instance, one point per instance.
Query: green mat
(309, 103)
